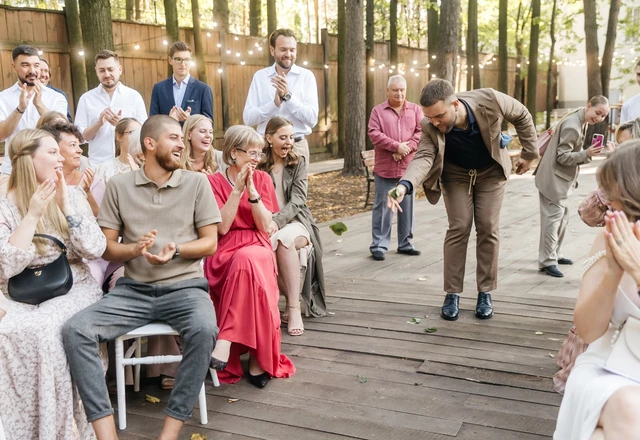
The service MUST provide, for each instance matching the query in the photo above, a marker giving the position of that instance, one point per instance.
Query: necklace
(226, 173)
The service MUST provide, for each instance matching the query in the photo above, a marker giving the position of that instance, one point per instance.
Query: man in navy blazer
(181, 95)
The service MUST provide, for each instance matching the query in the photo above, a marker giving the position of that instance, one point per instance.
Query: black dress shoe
(484, 306)
(566, 261)
(451, 307)
(377, 255)
(409, 251)
(552, 271)
(260, 380)
(216, 364)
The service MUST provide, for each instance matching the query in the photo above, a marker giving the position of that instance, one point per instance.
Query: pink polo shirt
(387, 129)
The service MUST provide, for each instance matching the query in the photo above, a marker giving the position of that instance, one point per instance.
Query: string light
(209, 34)
(236, 38)
(305, 62)
(326, 66)
(228, 52)
(219, 70)
(40, 52)
(165, 42)
(242, 63)
(136, 47)
(250, 52)
(81, 53)
(238, 54)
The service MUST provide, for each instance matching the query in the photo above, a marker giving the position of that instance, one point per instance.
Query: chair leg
(366, 202)
(214, 377)
(136, 379)
(122, 403)
(202, 401)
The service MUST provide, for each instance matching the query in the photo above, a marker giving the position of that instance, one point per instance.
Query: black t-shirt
(466, 148)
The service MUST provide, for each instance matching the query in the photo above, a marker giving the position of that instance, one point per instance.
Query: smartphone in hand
(598, 140)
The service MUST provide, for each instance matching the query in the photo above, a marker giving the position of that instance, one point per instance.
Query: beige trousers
(554, 218)
(472, 196)
(302, 148)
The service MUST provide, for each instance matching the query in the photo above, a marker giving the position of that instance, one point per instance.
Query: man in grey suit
(557, 176)
(472, 172)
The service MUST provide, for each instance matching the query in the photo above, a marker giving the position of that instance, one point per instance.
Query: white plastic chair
(124, 359)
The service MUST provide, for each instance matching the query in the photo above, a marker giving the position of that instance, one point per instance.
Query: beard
(29, 80)
(168, 162)
(282, 63)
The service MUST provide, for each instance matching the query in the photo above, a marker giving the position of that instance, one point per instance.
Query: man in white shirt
(631, 107)
(284, 89)
(22, 104)
(100, 109)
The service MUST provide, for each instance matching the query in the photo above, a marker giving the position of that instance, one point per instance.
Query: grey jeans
(382, 217)
(185, 306)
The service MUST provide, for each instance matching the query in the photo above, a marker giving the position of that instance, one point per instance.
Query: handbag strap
(54, 239)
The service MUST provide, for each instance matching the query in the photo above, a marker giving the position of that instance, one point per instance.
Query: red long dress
(244, 287)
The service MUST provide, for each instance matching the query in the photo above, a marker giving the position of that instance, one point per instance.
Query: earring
(233, 160)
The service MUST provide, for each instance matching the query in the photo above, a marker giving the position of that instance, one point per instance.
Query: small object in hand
(394, 193)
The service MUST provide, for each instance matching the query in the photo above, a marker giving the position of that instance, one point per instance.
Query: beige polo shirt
(135, 205)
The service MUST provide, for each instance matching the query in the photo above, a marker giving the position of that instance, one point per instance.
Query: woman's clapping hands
(623, 242)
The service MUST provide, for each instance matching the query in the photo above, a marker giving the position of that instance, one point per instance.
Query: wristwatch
(286, 97)
(256, 200)
(177, 254)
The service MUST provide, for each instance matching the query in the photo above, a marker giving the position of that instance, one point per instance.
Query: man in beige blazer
(471, 173)
(557, 176)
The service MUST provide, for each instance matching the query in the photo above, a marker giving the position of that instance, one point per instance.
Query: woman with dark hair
(598, 402)
(293, 228)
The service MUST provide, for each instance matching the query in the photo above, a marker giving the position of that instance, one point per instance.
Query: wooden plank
(4, 32)
(476, 432)
(487, 376)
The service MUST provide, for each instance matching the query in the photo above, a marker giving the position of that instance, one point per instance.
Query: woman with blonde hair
(123, 162)
(599, 403)
(37, 397)
(199, 154)
(292, 228)
(51, 117)
(242, 274)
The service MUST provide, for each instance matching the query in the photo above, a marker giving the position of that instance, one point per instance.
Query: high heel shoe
(259, 380)
(216, 364)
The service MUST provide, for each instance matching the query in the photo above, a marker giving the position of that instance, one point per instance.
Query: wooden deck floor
(366, 372)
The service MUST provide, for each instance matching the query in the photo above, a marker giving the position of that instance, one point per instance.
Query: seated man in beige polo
(167, 218)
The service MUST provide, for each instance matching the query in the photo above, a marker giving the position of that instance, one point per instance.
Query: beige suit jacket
(490, 108)
(558, 170)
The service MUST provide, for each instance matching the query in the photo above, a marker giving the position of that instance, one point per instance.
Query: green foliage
(338, 228)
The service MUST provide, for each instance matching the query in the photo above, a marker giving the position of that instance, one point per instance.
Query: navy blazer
(65, 97)
(198, 96)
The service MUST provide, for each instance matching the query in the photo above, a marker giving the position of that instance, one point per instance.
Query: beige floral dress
(37, 397)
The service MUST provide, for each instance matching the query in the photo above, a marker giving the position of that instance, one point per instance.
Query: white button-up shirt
(9, 99)
(102, 147)
(630, 109)
(301, 110)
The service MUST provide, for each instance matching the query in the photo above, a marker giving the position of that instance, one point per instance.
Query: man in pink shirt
(394, 130)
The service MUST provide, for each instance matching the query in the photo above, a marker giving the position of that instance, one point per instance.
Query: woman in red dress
(242, 274)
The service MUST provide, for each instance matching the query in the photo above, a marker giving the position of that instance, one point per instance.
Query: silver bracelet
(74, 220)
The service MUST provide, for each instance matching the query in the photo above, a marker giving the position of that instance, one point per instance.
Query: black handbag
(39, 284)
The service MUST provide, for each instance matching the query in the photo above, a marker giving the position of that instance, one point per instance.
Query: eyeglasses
(181, 60)
(128, 132)
(252, 154)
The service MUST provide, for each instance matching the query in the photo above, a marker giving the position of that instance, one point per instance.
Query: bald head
(155, 127)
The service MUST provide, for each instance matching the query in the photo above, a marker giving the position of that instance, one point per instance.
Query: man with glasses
(181, 95)
(100, 109)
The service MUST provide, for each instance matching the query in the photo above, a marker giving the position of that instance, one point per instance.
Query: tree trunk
(255, 17)
(609, 45)
(173, 29)
(355, 118)
(448, 39)
(503, 54)
(198, 44)
(138, 9)
(550, 79)
(432, 34)
(521, 22)
(473, 77)
(78, 72)
(97, 34)
(272, 23)
(369, 64)
(308, 22)
(532, 74)
(129, 10)
(342, 102)
(393, 32)
(221, 12)
(594, 80)
(316, 11)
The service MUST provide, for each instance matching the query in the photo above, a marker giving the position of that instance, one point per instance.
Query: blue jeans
(382, 217)
(185, 306)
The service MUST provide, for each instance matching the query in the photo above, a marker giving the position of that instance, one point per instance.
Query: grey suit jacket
(490, 108)
(557, 172)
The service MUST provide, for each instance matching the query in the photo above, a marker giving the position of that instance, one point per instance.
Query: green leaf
(414, 321)
(363, 379)
(431, 330)
(338, 228)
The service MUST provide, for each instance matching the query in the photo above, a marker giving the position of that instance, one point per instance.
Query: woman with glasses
(293, 228)
(242, 274)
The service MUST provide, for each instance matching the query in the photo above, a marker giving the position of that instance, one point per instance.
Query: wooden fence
(143, 54)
